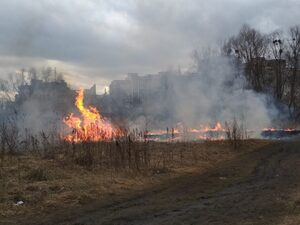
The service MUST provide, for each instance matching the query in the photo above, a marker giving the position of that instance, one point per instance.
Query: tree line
(269, 62)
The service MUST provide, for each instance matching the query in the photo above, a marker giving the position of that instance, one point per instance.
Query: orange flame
(216, 132)
(276, 129)
(204, 129)
(92, 126)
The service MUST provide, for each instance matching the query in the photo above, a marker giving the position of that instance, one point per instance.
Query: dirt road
(260, 187)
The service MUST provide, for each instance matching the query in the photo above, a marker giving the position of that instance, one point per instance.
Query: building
(142, 86)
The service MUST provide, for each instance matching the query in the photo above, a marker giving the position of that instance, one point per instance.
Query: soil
(258, 187)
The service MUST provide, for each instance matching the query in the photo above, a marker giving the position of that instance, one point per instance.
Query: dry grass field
(178, 183)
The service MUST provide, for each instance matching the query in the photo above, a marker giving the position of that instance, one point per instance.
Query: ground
(256, 184)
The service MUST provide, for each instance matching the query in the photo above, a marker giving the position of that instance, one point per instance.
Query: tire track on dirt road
(255, 188)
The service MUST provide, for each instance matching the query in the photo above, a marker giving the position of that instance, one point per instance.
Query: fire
(279, 133)
(90, 126)
(275, 129)
(211, 133)
(181, 132)
(205, 129)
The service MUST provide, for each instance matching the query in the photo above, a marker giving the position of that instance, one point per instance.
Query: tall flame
(91, 126)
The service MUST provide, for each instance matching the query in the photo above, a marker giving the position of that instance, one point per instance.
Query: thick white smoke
(213, 92)
(218, 94)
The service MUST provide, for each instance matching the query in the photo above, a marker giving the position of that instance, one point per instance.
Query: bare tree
(32, 74)
(250, 46)
(293, 55)
(5, 90)
(10, 86)
(276, 47)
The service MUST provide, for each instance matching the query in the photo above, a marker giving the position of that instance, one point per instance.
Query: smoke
(217, 95)
(36, 118)
(39, 107)
(214, 91)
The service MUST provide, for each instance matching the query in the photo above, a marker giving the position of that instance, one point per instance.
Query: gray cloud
(103, 40)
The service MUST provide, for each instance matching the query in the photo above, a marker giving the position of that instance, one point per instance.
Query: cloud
(103, 40)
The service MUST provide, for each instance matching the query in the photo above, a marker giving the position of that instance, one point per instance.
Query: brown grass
(83, 173)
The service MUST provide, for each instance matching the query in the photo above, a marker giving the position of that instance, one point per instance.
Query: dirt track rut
(260, 187)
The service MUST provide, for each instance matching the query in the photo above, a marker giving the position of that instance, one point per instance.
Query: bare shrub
(9, 136)
(85, 156)
(235, 133)
(37, 174)
(119, 155)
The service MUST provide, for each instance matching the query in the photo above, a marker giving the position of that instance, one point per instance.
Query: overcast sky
(95, 41)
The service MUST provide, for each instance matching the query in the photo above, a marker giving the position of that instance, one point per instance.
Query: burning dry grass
(91, 126)
(79, 174)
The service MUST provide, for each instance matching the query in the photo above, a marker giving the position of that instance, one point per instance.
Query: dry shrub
(9, 135)
(236, 133)
(85, 158)
(37, 174)
(122, 154)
